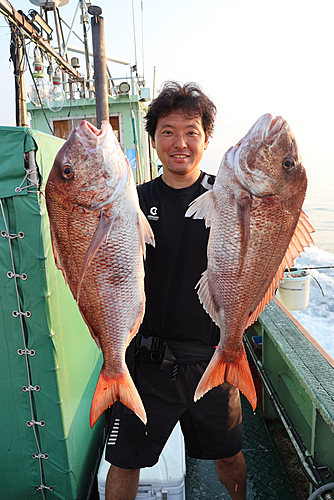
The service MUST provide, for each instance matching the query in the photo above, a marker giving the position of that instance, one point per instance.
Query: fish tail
(115, 388)
(236, 372)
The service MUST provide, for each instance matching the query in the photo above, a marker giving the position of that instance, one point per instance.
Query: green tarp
(49, 364)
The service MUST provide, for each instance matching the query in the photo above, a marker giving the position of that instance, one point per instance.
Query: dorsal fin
(300, 240)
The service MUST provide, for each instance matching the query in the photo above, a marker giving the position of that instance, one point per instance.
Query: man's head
(188, 98)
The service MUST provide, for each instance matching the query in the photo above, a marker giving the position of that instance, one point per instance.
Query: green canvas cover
(49, 364)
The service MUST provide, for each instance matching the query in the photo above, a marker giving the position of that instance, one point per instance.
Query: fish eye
(289, 163)
(67, 170)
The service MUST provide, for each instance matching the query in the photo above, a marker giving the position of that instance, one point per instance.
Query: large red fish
(99, 233)
(257, 230)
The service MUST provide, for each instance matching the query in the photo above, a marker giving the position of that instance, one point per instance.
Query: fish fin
(111, 389)
(93, 334)
(100, 234)
(57, 258)
(300, 240)
(205, 297)
(145, 231)
(222, 369)
(202, 208)
(243, 206)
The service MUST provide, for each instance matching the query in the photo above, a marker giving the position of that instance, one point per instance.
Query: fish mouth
(90, 135)
(274, 126)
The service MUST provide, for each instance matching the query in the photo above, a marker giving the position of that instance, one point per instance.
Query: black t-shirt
(175, 265)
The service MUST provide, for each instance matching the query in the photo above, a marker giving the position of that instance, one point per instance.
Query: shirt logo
(153, 215)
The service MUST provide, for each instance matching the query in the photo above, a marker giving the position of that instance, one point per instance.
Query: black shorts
(212, 427)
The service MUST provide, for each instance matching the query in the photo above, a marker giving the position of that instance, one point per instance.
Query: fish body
(98, 234)
(257, 230)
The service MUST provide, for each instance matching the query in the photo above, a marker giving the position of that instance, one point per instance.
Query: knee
(118, 474)
(236, 461)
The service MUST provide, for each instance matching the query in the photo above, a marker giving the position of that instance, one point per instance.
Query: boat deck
(266, 478)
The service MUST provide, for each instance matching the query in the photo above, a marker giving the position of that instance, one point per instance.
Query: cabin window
(62, 128)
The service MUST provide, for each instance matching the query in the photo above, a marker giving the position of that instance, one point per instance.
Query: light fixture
(36, 18)
(37, 90)
(124, 88)
(55, 95)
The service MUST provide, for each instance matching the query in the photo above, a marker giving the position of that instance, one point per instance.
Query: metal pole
(17, 55)
(83, 14)
(100, 65)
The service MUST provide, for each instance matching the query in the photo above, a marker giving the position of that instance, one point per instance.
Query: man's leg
(122, 484)
(232, 472)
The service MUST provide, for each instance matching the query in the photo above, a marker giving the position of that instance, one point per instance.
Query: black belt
(168, 350)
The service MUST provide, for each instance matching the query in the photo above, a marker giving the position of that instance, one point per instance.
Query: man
(177, 337)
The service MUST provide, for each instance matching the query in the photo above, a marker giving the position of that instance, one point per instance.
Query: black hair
(189, 98)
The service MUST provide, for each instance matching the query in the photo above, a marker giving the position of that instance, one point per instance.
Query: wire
(134, 33)
(39, 97)
(142, 35)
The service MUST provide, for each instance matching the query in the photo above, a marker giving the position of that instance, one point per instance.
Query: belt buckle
(156, 356)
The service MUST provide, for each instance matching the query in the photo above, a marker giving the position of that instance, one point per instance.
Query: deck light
(124, 88)
(36, 18)
(37, 90)
(55, 96)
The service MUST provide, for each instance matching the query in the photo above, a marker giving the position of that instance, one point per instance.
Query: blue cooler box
(165, 480)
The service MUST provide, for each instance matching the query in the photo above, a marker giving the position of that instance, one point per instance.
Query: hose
(322, 489)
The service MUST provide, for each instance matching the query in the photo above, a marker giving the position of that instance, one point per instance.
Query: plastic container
(165, 480)
(294, 291)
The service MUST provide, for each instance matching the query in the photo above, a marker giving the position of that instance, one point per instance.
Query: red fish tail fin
(110, 389)
(236, 372)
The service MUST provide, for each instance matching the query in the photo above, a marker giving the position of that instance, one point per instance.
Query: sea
(318, 317)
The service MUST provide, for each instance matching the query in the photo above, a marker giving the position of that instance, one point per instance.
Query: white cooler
(165, 480)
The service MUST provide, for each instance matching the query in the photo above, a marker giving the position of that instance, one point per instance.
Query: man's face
(180, 143)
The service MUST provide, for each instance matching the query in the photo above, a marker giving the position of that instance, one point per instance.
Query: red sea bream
(99, 233)
(257, 230)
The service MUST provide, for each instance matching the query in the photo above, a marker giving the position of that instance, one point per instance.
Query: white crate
(165, 480)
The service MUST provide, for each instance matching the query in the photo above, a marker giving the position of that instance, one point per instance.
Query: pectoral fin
(243, 206)
(100, 234)
(145, 232)
(202, 208)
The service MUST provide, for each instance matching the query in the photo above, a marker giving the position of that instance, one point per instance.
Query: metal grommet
(21, 234)
(10, 274)
(27, 314)
(15, 314)
(24, 276)
(3, 234)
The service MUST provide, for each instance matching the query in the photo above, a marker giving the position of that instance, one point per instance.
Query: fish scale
(99, 234)
(257, 230)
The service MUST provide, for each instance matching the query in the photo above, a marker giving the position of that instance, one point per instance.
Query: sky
(250, 56)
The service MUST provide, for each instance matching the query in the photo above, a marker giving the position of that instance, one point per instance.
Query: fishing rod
(306, 268)
(305, 458)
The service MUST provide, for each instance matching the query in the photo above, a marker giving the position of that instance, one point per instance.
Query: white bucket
(294, 291)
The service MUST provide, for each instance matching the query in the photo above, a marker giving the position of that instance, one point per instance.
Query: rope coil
(33, 183)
